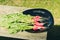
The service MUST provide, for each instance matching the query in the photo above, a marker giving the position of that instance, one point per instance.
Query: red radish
(37, 25)
(36, 18)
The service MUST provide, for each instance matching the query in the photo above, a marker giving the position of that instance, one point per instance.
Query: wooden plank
(23, 35)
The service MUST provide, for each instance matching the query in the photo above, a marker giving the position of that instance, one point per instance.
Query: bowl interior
(43, 13)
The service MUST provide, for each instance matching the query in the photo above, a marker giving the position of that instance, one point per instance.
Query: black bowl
(43, 13)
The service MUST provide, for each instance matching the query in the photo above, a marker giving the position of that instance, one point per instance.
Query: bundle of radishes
(19, 21)
(38, 24)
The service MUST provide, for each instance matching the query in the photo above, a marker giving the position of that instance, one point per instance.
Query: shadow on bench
(9, 38)
(54, 33)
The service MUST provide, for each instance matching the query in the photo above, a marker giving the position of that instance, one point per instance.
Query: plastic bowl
(43, 13)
